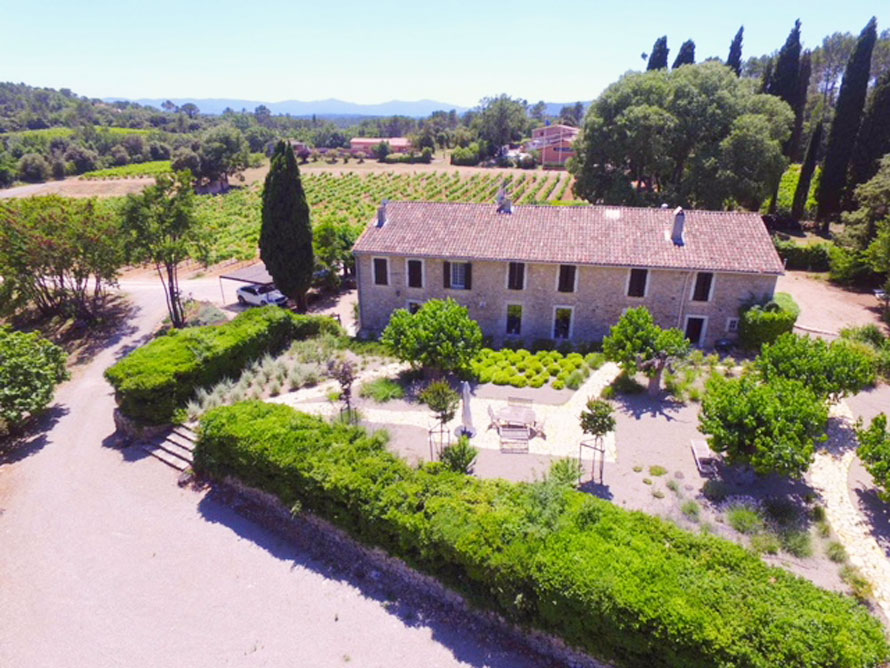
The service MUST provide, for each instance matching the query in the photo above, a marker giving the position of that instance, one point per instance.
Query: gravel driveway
(104, 561)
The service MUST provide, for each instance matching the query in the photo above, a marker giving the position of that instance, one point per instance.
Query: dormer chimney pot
(381, 214)
(678, 233)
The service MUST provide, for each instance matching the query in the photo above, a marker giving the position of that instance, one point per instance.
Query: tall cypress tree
(845, 127)
(806, 173)
(873, 140)
(734, 59)
(783, 81)
(286, 233)
(686, 54)
(658, 59)
(800, 102)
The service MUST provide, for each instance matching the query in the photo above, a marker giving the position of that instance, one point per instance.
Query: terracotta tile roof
(600, 235)
(373, 141)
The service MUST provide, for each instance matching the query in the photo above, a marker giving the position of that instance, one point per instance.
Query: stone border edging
(383, 572)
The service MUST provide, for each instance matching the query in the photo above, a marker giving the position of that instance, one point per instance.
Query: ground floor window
(413, 307)
(514, 319)
(732, 325)
(562, 323)
(695, 329)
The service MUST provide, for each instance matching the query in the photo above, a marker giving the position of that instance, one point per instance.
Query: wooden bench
(705, 458)
(514, 439)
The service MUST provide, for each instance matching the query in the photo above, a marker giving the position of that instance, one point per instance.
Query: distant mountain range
(324, 108)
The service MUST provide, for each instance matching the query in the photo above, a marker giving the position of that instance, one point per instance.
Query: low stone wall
(384, 577)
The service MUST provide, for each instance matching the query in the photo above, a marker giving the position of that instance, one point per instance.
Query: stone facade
(598, 301)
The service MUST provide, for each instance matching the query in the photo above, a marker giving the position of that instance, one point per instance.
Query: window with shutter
(636, 287)
(566, 278)
(415, 274)
(381, 273)
(516, 276)
(458, 275)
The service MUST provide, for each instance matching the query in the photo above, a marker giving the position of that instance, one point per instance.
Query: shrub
(744, 519)
(154, 380)
(766, 543)
(759, 324)
(859, 584)
(598, 418)
(441, 399)
(622, 585)
(836, 552)
(797, 542)
(691, 509)
(848, 266)
(715, 490)
(565, 471)
(30, 369)
(874, 451)
(460, 457)
(803, 257)
(382, 390)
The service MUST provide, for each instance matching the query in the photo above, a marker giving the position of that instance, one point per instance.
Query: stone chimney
(505, 206)
(381, 214)
(677, 234)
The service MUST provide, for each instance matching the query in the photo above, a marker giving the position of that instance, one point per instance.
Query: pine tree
(686, 54)
(806, 173)
(783, 81)
(734, 59)
(792, 149)
(847, 115)
(873, 140)
(658, 59)
(286, 233)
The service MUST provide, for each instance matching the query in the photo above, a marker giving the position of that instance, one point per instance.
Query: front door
(695, 327)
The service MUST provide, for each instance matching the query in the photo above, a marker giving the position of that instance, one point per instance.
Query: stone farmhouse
(565, 273)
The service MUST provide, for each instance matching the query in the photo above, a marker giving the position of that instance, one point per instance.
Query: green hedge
(155, 380)
(764, 323)
(804, 257)
(621, 585)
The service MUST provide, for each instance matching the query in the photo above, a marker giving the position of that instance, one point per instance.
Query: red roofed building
(555, 142)
(367, 145)
(565, 273)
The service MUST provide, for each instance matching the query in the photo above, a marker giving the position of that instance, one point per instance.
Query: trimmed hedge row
(155, 380)
(764, 323)
(621, 585)
(804, 257)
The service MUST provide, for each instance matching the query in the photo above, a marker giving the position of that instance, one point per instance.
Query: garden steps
(176, 449)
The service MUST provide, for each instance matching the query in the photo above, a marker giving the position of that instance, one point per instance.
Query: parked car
(260, 295)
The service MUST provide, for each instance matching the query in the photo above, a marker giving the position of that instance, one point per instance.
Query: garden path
(828, 475)
(561, 423)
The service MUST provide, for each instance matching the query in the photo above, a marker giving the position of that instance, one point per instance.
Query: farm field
(351, 199)
(152, 168)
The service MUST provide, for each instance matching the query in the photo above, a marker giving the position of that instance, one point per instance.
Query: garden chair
(494, 419)
(514, 439)
(538, 428)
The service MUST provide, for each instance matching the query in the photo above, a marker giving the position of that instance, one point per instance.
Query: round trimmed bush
(558, 385)
(554, 369)
(518, 381)
(502, 378)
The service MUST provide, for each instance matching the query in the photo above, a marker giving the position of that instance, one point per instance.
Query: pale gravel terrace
(828, 475)
(561, 423)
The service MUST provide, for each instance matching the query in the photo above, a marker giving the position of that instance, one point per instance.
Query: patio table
(516, 415)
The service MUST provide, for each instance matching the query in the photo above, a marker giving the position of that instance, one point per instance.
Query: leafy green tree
(223, 153)
(538, 111)
(186, 159)
(734, 59)
(34, 168)
(572, 114)
(441, 336)
(441, 400)
(873, 199)
(598, 418)
(802, 191)
(57, 254)
(286, 232)
(189, 109)
(873, 139)
(842, 135)
(831, 370)
(874, 451)
(686, 55)
(657, 137)
(382, 150)
(30, 369)
(460, 457)
(658, 59)
(638, 344)
(501, 120)
(772, 426)
(161, 228)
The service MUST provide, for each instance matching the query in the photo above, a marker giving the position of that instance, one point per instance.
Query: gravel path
(828, 475)
(104, 561)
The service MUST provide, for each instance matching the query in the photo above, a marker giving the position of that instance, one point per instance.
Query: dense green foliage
(658, 59)
(441, 399)
(460, 457)
(638, 344)
(772, 426)
(764, 323)
(697, 136)
(803, 257)
(842, 134)
(597, 419)
(734, 59)
(152, 168)
(831, 370)
(784, 80)
(30, 369)
(620, 585)
(57, 255)
(155, 380)
(873, 138)
(804, 198)
(440, 336)
(286, 232)
(874, 451)
(522, 368)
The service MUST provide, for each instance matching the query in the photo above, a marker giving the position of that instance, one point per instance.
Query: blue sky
(374, 51)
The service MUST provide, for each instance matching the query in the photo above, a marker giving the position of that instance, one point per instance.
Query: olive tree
(874, 451)
(638, 344)
(440, 337)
